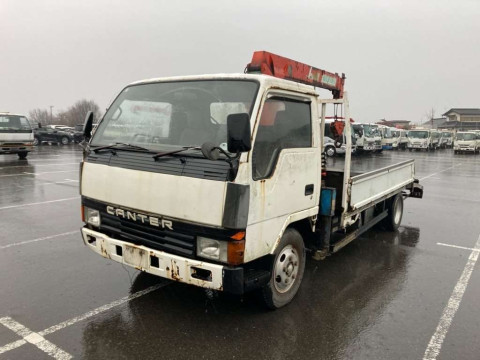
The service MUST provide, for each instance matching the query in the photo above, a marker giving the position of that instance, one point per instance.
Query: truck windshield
(446, 134)
(418, 134)
(395, 133)
(466, 136)
(371, 130)
(14, 123)
(387, 133)
(169, 115)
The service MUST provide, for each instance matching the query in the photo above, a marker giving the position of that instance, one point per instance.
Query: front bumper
(466, 149)
(417, 146)
(173, 267)
(14, 149)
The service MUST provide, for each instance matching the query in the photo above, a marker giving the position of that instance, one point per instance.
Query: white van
(16, 135)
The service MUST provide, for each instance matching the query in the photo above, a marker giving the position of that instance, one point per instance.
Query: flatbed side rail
(368, 187)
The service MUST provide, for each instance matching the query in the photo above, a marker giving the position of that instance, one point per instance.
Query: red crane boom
(270, 64)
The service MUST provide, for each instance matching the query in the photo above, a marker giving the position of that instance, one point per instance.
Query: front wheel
(36, 141)
(395, 213)
(287, 271)
(64, 140)
(22, 155)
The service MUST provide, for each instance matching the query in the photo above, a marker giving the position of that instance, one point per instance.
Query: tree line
(72, 116)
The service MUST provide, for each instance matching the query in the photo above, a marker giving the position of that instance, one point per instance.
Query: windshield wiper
(117, 144)
(184, 148)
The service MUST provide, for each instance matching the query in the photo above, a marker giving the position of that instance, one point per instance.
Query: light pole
(51, 115)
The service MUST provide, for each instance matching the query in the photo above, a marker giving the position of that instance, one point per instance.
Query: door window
(284, 124)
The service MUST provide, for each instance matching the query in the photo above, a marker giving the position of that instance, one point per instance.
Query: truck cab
(466, 142)
(368, 137)
(399, 139)
(422, 139)
(446, 140)
(219, 181)
(16, 135)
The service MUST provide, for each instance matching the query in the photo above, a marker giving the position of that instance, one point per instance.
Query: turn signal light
(238, 236)
(236, 251)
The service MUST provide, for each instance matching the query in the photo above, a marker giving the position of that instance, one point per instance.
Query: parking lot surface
(409, 294)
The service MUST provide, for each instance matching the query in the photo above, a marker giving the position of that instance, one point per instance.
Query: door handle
(308, 189)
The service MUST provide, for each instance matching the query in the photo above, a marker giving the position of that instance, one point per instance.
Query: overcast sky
(401, 58)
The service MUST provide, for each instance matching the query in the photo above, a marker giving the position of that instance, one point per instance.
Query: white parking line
(38, 203)
(22, 166)
(458, 247)
(73, 321)
(41, 173)
(39, 239)
(9, 187)
(438, 172)
(435, 344)
(34, 339)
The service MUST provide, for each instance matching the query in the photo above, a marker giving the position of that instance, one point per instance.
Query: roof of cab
(265, 80)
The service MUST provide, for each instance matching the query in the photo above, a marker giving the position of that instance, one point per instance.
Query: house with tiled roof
(462, 119)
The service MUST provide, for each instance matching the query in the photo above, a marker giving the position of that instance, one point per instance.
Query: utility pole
(51, 114)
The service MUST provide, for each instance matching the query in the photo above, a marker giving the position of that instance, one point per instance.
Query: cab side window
(284, 123)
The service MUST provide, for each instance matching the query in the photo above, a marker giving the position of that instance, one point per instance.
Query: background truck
(466, 141)
(446, 139)
(427, 140)
(368, 137)
(219, 181)
(16, 135)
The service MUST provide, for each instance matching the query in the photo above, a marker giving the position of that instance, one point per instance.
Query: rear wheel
(395, 213)
(64, 140)
(287, 271)
(36, 141)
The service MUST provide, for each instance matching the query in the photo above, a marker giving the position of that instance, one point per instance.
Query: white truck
(446, 139)
(218, 181)
(466, 142)
(368, 137)
(423, 139)
(16, 135)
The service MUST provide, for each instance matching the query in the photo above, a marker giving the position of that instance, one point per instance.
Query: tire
(22, 155)
(287, 271)
(455, 151)
(410, 150)
(330, 151)
(395, 213)
(64, 140)
(36, 141)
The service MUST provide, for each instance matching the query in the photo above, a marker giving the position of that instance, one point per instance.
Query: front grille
(144, 234)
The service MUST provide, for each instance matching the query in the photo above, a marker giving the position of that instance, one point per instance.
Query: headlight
(212, 249)
(92, 216)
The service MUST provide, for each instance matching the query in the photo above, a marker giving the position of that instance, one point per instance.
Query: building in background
(437, 123)
(462, 119)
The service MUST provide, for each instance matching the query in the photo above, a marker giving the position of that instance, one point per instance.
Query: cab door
(285, 165)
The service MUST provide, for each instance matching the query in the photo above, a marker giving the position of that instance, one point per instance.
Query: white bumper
(140, 257)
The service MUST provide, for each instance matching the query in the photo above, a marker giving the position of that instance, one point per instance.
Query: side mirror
(238, 133)
(87, 126)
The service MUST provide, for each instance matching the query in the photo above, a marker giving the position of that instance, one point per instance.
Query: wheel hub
(286, 269)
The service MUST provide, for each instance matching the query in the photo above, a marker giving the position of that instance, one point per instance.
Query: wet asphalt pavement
(381, 297)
